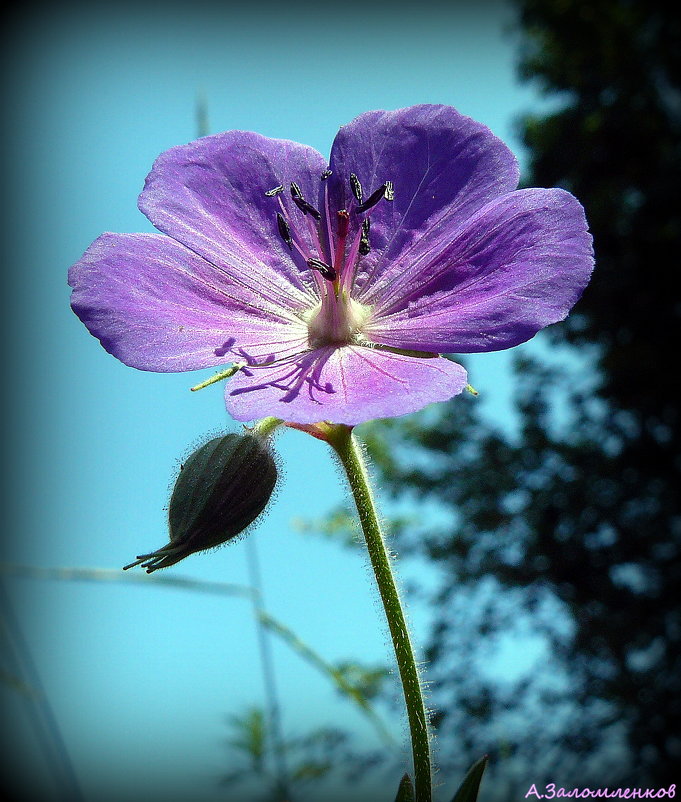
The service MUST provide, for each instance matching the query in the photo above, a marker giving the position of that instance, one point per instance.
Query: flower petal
(210, 196)
(520, 264)
(157, 306)
(348, 385)
(443, 166)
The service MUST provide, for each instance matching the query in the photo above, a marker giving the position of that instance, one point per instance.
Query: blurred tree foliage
(566, 531)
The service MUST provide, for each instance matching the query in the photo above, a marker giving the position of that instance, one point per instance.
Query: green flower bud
(221, 489)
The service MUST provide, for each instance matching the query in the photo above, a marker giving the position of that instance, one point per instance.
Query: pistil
(339, 253)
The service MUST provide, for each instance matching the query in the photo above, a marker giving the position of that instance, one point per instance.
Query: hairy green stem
(350, 453)
(265, 427)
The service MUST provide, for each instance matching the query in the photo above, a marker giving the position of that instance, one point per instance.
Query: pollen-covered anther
(384, 191)
(364, 246)
(284, 230)
(302, 204)
(356, 187)
(326, 270)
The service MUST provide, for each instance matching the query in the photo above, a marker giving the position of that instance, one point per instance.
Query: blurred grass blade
(115, 575)
(38, 707)
(405, 793)
(221, 589)
(336, 676)
(17, 684)
(468, 790)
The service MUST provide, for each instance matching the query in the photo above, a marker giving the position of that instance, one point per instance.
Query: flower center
(336, 320)
(338, 242)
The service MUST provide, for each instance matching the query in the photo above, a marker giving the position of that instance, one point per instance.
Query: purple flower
(336, 286)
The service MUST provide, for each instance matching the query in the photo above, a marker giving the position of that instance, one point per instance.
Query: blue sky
(141, 679)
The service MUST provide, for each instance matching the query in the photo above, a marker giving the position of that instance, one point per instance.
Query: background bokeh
(141, 679)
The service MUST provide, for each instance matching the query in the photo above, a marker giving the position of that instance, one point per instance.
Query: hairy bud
(222, 488)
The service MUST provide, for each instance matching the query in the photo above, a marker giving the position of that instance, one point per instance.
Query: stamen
(300, 246)
(327, 220)
(364, 246)
(326, 270)
(302, 204)
(272, 192)
(284, 230)
(356, 187)
(384, 191)
(326, 174)
(350, 260)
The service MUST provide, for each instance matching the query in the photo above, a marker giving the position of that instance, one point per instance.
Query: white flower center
(336, 320)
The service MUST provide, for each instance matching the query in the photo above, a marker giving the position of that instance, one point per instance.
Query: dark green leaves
(468, 790)
(405, 793)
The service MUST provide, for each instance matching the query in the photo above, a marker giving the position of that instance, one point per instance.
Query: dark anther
(326, 174)
(356, 187)
(272, 192)
(302, 204)
(326, 270)
(384, 191)
(284, 230)
(307, 208)
(364, 246)
(343, 222)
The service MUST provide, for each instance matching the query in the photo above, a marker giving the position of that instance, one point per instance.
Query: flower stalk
(265, 427)
(346, 446)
